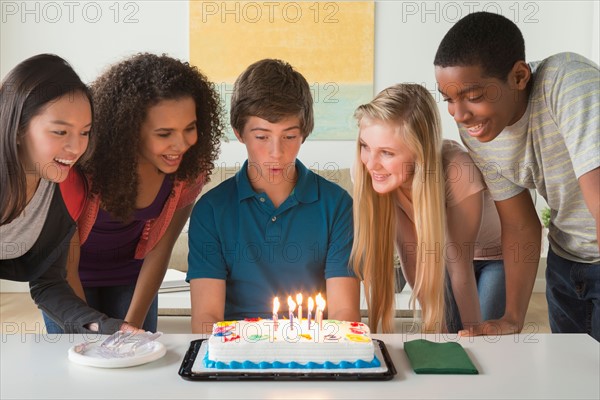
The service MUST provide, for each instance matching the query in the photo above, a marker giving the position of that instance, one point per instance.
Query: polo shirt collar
(243, 183)
(305, 191)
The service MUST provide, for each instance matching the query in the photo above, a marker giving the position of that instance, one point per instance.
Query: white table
(536, 366)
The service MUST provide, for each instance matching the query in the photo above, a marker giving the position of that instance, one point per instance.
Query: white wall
(93, 34)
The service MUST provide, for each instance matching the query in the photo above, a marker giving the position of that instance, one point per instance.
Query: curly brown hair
(122, 96)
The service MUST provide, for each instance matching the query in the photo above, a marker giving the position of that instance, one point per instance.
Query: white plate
(90, 356)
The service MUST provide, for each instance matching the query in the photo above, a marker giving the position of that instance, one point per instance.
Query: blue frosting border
(291, 365)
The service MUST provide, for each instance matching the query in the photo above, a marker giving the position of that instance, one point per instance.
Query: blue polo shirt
(237, 234)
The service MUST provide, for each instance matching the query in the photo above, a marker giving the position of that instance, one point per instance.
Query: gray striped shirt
(549, 148)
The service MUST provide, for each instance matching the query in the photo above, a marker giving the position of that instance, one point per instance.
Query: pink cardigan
(182, 195)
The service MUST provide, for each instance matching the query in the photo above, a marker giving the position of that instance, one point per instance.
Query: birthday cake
(265, 344)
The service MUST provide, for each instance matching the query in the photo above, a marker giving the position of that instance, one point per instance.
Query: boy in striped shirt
(531, 126)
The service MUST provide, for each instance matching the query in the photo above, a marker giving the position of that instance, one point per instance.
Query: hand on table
(494, 327)
(127, 327)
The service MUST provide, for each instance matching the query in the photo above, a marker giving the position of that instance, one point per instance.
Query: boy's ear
(238, 136)
(520, 75)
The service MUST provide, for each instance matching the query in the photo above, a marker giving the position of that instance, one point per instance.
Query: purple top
(108, 255)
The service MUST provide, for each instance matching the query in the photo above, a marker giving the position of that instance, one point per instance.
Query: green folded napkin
(438, 358)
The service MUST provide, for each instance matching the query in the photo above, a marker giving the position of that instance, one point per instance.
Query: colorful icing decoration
(225, 323)
(223, 330)
(256, 338)
(358, 338)
(231, 339)
(252, 319)
(331, 338)
(254, 344)
(293, 365)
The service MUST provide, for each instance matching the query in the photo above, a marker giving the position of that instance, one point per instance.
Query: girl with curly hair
(157, 130)
(45, 121)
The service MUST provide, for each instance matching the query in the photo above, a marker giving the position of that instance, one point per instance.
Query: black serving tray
(185, 371)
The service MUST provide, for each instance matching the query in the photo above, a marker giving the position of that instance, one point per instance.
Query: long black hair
(24, 93)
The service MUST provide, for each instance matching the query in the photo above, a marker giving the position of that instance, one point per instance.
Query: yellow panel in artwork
(326, 41)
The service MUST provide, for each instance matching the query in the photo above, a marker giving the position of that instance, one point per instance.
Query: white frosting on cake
(259, 341)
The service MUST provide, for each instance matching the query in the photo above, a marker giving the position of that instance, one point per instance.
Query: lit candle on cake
(275, 311)
(299, 301)
(320, 308)
(292, 306)
(311, 304)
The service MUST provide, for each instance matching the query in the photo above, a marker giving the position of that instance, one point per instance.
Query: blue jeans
(491, 289)
(113, 301)
(573, 294)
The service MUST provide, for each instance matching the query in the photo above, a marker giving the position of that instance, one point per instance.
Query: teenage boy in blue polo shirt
(275, 228)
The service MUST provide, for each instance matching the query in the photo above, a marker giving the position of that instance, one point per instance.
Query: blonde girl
(423, 195)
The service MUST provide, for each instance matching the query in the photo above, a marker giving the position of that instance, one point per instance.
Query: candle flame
(291, 303)
(299, 299)
(275, 305)
(311, 304)
(320, 302)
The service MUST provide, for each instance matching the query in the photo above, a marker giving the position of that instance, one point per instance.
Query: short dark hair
(25, 92)
(488, 40)
(271, 90)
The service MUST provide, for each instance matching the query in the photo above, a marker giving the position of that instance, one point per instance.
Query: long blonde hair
(412, 108)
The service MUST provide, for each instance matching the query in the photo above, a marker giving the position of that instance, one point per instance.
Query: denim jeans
(573, 294)
(113, 301)
(491, 290)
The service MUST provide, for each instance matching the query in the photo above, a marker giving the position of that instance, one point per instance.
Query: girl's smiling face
(385, 155)
(57, 137)
(168, 131)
